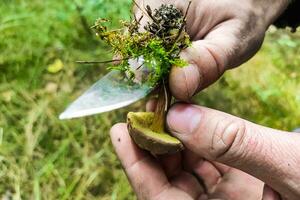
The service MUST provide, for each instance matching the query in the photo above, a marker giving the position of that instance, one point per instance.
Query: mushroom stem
(163, 103)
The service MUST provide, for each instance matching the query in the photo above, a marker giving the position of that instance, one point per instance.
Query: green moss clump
(159, 44)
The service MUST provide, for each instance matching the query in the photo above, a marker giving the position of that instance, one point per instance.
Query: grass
(42, 157)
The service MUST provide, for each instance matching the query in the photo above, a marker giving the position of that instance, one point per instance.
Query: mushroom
(148, 130)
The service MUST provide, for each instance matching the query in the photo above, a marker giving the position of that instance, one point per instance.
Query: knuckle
(226, 137)
(218, 56)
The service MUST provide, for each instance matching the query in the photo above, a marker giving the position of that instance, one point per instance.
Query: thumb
(221, 49)
(212, 134)
(265, 153)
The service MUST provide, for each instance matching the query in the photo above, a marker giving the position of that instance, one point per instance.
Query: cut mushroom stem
(163, 103)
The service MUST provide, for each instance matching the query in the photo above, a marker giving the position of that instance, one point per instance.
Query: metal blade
(110, 92)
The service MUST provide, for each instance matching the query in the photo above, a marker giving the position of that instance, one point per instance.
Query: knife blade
(110, 92)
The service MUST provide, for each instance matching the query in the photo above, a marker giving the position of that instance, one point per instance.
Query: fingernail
(183, 119)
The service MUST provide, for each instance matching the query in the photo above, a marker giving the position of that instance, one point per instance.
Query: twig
(140, 66)
(187, 10)
(100, 62)
(184, 21)
(166, 96)
(149, 12)
(183, 24)
(137, 5)
(145, 12)
(138, 21)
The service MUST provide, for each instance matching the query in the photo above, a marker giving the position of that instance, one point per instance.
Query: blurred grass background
(42, 157)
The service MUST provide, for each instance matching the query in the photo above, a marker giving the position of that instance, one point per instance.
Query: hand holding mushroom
(222, 153)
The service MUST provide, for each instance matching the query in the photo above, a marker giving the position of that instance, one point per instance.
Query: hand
(225, 34)
(181, 176)
(270, 155)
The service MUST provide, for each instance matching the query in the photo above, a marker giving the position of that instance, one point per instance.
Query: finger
(222, 48)
(204, 170)
(188, 183)
(171, 164)
(145, 175)
(267, 154)
(223, 169)
(237, 183)
(270, 194)
(209, 174)
(179, 178)
(190, 159)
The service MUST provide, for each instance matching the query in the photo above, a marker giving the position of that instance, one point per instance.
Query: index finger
(145, 175)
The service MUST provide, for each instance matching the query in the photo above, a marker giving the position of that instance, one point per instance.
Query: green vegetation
(42, 157)
(159, 45)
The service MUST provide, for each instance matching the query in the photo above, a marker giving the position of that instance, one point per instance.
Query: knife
(111, 92)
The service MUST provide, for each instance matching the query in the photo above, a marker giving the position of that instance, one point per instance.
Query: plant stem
(100, 62)
(163, 103)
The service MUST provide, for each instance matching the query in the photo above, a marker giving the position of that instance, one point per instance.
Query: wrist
(270, 10)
